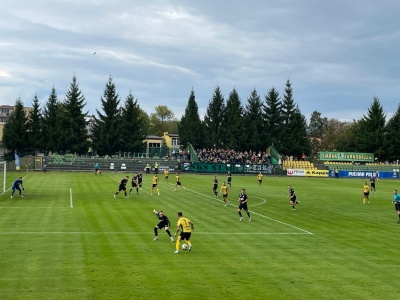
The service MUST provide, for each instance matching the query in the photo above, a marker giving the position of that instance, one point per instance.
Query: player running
(178, 182)
(185, 226)
(293, 198)
(215, 186)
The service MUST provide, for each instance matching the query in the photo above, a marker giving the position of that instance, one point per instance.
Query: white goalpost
(3, 173)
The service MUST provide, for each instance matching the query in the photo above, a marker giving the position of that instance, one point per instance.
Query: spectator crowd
(231, 156)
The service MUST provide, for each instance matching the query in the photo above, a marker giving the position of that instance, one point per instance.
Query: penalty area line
(280, 222)
(253, 212)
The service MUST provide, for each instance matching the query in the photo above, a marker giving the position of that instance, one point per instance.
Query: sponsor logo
(296, 172)
(317, 173)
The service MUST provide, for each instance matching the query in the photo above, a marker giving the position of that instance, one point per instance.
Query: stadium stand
(347, 166)
(298, 164)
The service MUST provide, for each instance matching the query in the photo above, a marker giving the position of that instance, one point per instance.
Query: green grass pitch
(68, 238)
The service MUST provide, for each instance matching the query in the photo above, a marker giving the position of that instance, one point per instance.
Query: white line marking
(31, 207)
(259, 203)
(253, 212)
(148, 233)
(70, 198)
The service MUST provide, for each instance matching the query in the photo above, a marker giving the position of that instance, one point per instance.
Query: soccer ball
(184, 247)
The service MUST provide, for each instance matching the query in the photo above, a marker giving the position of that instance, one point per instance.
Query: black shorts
(293, 199)
(134, 184)
(185, 236)
(243, 206)
(366, 193)
(154, 185)
(397, 206)
(178, 183)
(373, 184)
(225, 195)
(121, 188)
(162, 224)
(166, 177)
(259, 181)
(215, 187)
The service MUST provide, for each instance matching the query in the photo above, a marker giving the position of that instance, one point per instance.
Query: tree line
(64, 126)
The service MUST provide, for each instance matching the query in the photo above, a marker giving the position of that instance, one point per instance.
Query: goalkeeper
(16, 186)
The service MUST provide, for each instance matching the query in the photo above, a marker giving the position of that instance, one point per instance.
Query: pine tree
(233, 120)
(15, 130)
(294, 139)
(253, 124)
(51, 123)
(34, 125)
(190, 128)
(315, 131)
(273, 118)
(134, 126)
(370, 139)
(213, 120)
(107, 138)
(75, 137)
(391, 141)
(316, 125)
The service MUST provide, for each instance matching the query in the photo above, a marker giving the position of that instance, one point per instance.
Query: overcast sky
(338, 55)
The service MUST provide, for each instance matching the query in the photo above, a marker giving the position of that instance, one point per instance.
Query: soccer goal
(3, 173)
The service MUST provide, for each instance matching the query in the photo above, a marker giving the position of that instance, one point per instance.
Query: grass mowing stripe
(104, 248)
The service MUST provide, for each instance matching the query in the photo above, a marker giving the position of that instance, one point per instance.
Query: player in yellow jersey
(185, 226)
(178, 182)
(156, 168)
(365, 192)
(154, 185)
(224, 192)
(166, 175)
(260, 178)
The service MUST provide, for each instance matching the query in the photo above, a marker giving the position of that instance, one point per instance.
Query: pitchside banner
(306, 172)
(346, 156)
(366, 174)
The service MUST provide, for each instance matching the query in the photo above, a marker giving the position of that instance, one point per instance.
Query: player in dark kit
(229, 179)
(16, 185)
(163, 223)
(215, 185)
(293, 198)
(372, 181)
(134, 185)
(122, 186)
(140, 180)
(243, 205)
